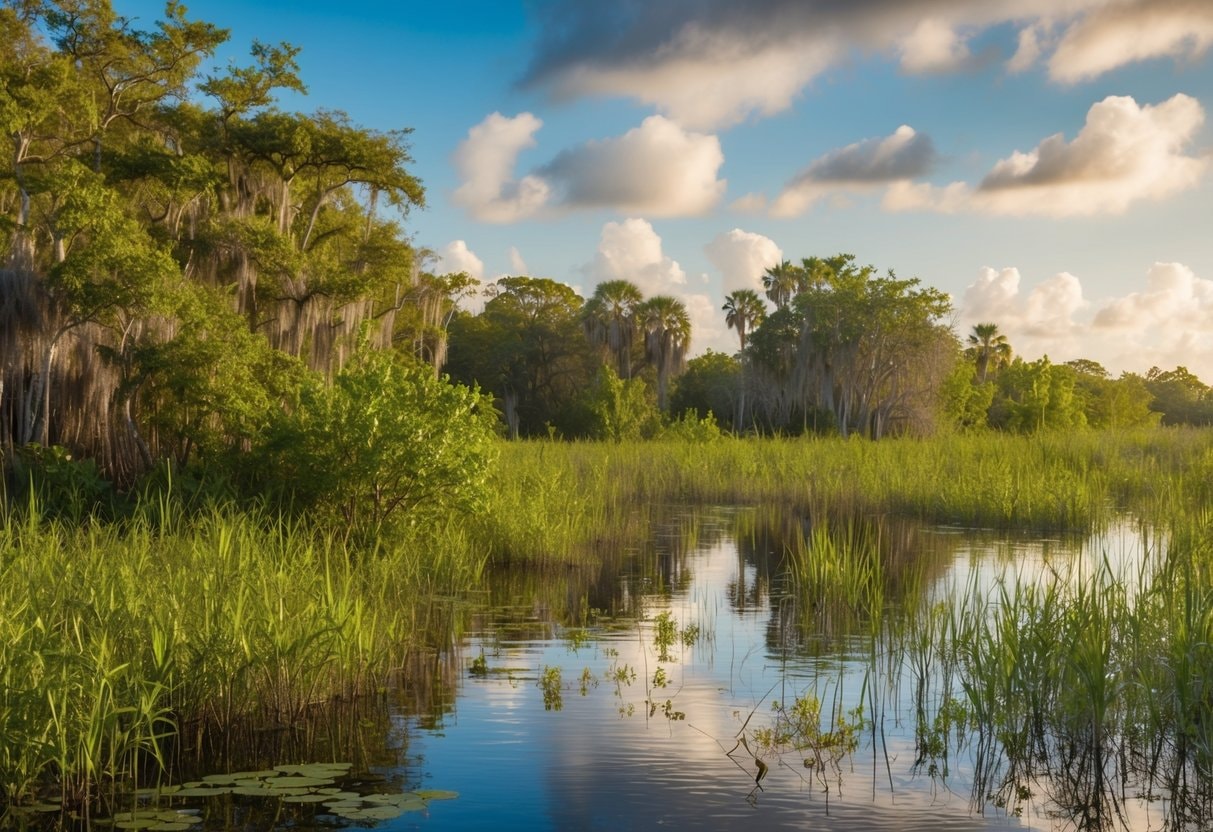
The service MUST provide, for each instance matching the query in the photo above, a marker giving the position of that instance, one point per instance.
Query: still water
(637, 695)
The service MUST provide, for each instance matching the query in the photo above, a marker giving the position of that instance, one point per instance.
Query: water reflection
(870, 647)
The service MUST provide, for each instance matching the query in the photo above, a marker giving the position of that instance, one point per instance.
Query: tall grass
(126, 649)
(129, 648)
(558, 502)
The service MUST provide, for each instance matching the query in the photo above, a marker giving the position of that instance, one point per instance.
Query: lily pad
(436, 794)
(295, 781)
(306, 798)
(170, 826)
(138, 823)
(202, 791)
(382, 812)
(339, 795)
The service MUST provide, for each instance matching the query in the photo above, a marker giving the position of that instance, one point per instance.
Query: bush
(386, 443)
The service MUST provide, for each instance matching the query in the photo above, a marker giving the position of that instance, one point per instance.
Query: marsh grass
(1080, 687)
(570, 502)
(133, 648)
(128, 650)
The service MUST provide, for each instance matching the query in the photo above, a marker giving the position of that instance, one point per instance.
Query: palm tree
(667, 338)
(780, 282)
(609, 320)
(743, 311)
(990, 348)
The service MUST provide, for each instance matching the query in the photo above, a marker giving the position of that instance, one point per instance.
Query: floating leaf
(203, 791)
(335, 794)
(138, 823)
(382, 812)
(253, 791)
(306, 798)
(436, 794)
(170, 826)
(298, 782)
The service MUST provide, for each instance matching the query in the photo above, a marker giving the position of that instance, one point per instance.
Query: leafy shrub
(385, 443)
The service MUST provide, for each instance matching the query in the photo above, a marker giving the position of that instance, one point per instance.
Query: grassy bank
(556, 501)
(127, 648)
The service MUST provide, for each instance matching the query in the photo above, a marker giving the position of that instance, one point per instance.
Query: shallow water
(595, 748)
(637, 693)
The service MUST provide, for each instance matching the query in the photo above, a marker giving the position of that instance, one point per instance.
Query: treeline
(831, 347)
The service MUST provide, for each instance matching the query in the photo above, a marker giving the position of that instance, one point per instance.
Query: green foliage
(799, 726)
(1036, 395)
(710, 385)
(386, 442)
(527, 349)
(1181, 397)
(966, 403)
(691, 428)
(60, 485)
(623, 408)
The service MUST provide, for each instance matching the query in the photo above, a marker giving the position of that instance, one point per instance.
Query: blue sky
(1047, 162)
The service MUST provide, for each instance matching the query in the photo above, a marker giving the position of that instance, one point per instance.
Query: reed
(125, 651)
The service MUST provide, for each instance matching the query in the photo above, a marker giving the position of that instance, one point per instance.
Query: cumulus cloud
(485, 163)
(858, 167)
(1168, 323)
(934, 46)
(657, 169)
(455, 256)
(631, 250)
(741, 257)
(1124, 154)
(714, 63)
(1127, 32)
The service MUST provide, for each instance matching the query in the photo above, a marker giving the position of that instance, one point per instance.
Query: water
(563, 717)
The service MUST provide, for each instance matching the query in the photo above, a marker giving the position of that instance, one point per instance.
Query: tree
(1037, 395)
(872, 352)
(743, 310)
(623, 408)
(609, 319)
(526, 348)
(133, 217)
(1181, 397)
(710, 385)
(780, 282)
(989, 349)
(667, 338)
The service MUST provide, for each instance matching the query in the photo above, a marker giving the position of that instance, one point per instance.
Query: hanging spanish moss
(158, 254)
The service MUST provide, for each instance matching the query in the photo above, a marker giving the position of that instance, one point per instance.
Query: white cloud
(1169, 323)
(1029, 49)
(862, 166)
(741, 257)
(1128, 32)
(631, 250)
(517, 264)
(1124, 154)
(455, 256)
(715, 63)
(485, 162)
(934, 46)
(751, 203)
(657, 169)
